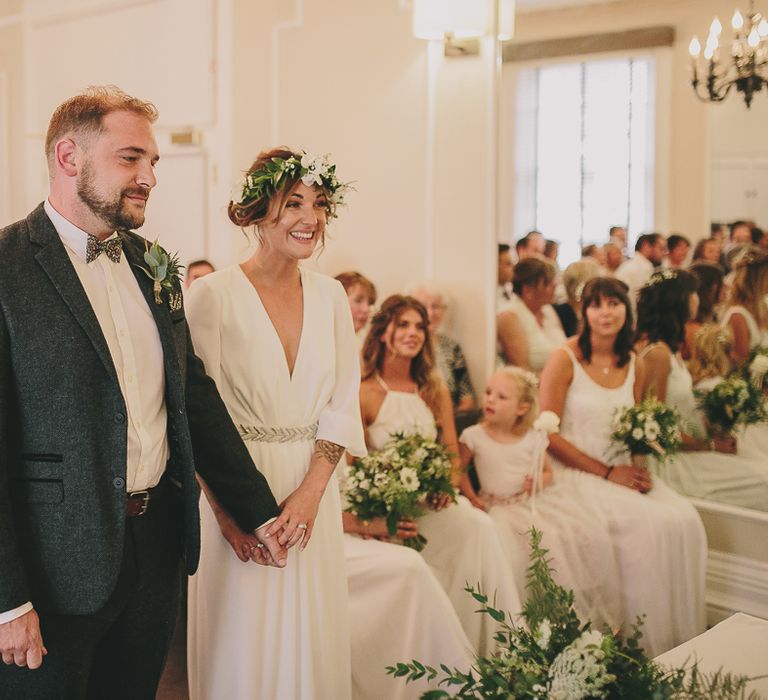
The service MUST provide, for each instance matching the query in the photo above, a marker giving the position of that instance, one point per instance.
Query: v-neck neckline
(290, 372)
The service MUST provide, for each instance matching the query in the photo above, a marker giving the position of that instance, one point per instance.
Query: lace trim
(260, 433)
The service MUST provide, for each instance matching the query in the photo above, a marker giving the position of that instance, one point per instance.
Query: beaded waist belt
(260, 433)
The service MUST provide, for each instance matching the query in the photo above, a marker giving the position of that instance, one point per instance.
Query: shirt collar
(71, 236)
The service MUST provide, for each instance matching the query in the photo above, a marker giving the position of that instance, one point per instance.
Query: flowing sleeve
(203, 308)
(340, 420)
(468, 437)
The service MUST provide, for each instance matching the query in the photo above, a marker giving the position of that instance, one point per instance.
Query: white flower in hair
(548, 421)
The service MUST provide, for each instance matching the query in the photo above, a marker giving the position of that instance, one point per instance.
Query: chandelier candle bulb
(715, 28)
(737, 21)
(754, 38)
(694, 48)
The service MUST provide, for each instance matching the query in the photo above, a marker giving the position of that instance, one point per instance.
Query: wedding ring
(255, 547)
(303, 526)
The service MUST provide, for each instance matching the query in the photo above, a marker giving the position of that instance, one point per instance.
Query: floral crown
(311, 170)
(661, 276)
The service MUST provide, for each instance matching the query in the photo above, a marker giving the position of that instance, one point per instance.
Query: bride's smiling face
(301, 224)
(606, 316)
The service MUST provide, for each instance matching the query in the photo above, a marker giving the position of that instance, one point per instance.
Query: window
(584, 145)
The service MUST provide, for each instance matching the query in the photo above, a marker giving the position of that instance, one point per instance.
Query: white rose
(637, 433)
(365, 484)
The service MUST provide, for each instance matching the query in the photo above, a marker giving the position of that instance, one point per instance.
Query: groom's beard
(113, 211)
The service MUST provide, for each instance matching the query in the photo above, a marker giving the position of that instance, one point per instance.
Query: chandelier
(742, 63)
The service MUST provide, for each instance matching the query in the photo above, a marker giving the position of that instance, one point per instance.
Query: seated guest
(594, 252)
(709, 250)
(650, 250)
(197, 268)
(449, 358)
(652, 529)
(613, 257)
(518, 491)
(362, 296)
(746, 313)
(400, 393)
(528, 328)
(740, 234)
(677, 250)
(505, 273)
(530, 245)
(710, 279)
(576, 275)
(551, 249)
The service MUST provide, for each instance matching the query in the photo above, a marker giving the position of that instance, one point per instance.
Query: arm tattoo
(329, 451)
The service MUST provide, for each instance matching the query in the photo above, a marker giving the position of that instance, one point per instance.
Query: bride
(279, 342)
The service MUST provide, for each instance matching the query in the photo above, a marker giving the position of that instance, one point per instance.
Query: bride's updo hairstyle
(268, 207)
(422, 366)
(595, 290)
(663, 307)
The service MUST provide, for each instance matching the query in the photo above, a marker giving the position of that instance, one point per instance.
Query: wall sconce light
(461, 23)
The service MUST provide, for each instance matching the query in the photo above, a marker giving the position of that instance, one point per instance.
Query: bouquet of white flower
(648, 428)
(731, 403)
(553, 655)
(756, 367)
(397, 481)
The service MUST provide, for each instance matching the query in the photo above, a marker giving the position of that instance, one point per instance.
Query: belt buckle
(144, 495)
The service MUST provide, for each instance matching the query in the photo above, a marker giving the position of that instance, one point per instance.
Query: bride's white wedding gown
(658, 539)
(254, 631)
(463, 546)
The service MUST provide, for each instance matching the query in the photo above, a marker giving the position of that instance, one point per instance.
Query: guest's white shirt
(137, 354)
(635, 272)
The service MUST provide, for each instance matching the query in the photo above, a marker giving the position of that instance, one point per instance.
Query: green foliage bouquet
(648, 428)
(732, 403)
(555, 656)
(398, 481)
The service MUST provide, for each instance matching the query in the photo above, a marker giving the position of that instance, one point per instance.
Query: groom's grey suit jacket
(63, 430)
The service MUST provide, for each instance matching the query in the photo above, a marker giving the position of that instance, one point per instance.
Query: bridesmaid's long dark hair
(663, 307)
(597, 289)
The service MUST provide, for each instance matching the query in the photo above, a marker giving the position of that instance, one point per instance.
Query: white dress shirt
(137, 354)
(635, 272)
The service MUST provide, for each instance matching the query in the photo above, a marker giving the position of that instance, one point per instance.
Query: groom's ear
(66, 157)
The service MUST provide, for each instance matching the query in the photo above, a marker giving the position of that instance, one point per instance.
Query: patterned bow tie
(113, 248)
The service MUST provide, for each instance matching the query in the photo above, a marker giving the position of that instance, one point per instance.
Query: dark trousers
(120, 651)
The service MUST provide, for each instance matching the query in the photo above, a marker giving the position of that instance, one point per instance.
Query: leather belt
(137, 502)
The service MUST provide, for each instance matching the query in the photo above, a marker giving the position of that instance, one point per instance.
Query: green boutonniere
(163, 269)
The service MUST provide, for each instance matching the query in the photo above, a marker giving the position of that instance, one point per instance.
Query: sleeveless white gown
(658, 539)
(398, 612)
(576, 536)
(463, 546)
(259, 632)
(738, 480)
(542, 339)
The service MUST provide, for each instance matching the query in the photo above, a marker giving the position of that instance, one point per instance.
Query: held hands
(21, 642)
(632, 477)
(297, 518)
(256, 546)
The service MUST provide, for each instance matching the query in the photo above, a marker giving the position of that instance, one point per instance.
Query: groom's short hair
(82, 114)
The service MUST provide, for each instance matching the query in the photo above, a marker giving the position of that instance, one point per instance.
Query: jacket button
(118, 482)
(119, 418)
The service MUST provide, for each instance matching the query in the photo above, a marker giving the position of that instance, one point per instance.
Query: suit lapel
(134, 254)
(54, 260)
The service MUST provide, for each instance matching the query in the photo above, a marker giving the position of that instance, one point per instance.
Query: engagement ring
(303, 526)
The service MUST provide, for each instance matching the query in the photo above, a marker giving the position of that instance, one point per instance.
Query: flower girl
(516, 480)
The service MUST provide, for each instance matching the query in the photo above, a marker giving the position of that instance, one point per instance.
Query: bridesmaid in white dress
(279, 342)
(401, 393)
(528, 326)
(517, 489)
(658, 539)
(709, 467)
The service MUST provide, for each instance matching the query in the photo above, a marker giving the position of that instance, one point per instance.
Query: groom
(105, 413)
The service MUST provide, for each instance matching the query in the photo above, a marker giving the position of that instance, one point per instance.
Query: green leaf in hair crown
(313, 171)
(163, 269)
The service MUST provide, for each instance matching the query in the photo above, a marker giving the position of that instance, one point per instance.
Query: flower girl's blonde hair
(710, 356)
(528, 392)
